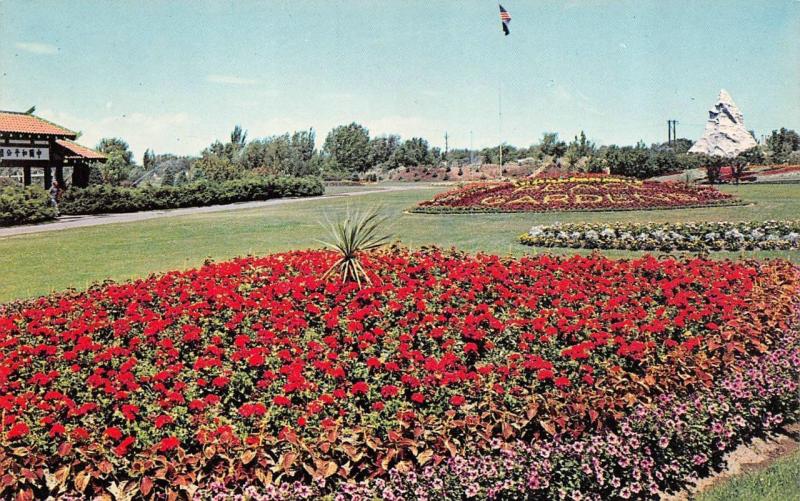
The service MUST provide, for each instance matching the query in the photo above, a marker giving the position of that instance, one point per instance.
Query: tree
(217, 169)
(550, 145)
(301, 154)
(381, 151)
(437, 155)
(114, 146)
(754, 155)
(633, 161)
(462, 156)
(148, 159)
(119, 163)
(680, 145)
(492, 155)
(93, 175)
(741, 163)
(413, 152)
(238, 137)
(168, 179)
(581, 146)
(347, 148)
(229, 150)
(286, 155)
(782, 143)
(173, 165)
(713, 165)
(738, 168)
(578, 148)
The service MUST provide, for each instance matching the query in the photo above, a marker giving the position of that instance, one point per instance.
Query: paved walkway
(68, 222)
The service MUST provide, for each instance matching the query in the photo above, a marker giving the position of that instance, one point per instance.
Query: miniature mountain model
(725, 134)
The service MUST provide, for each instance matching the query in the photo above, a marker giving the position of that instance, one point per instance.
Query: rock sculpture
(725, 134)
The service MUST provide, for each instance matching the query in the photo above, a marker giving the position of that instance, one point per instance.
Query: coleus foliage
(585, 192)
(258, 369)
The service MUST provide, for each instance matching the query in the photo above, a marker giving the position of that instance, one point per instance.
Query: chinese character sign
(10, 152)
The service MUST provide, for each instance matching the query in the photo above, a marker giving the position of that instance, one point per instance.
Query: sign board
(23, 153)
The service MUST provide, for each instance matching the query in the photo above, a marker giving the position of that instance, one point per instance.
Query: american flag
(505, 18)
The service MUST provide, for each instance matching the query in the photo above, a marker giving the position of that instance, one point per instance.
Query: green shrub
(24, 205)
(105, 198)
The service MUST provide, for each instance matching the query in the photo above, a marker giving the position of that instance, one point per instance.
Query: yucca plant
(358, 232)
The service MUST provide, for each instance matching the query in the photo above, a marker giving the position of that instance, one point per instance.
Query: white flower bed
(750, 235)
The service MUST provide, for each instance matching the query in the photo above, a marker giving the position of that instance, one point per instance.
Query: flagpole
(500, 116)
(500, 106)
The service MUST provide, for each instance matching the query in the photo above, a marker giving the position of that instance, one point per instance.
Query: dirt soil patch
(755, 456)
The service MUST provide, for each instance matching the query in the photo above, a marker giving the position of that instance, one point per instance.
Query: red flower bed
(759, 171)
(254, 370)
(587, 192)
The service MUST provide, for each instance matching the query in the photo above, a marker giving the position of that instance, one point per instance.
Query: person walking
(55, 194)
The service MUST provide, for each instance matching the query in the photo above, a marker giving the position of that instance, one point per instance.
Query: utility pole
(669, 132)
(471, 159)
(445, 148)
(672, 134)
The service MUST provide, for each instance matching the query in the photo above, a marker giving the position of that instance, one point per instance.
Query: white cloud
(230, 80)
(623, 45)
(36, 47)
(579, 100)
(178, 133)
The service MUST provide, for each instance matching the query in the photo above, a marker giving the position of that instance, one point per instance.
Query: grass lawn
(779, 482)
(40, 263)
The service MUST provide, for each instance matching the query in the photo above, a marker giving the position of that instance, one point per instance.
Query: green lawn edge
(779, 482)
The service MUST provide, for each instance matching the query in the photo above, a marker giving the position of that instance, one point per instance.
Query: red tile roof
(74, 150)
(11, 121)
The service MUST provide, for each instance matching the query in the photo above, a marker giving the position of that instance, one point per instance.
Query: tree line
(350, 152)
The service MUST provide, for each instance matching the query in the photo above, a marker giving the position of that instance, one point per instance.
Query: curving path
(69, 222)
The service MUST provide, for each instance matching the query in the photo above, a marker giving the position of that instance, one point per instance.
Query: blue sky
(174, 75)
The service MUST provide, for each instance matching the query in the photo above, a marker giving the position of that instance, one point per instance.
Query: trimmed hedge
(20, 205)
(107, 199)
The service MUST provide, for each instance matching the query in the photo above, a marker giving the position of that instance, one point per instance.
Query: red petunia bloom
(163, 420)
(169, 443)
(359, 388)
(389, 391)
(122, 449)
(281, 400)
(197, 405)
(57, 429)
(457, 400)
(79, 434)
(113, 433)
(19, 430)
(129, 411)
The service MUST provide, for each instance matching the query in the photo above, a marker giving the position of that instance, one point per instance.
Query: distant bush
(105, 199)
(640, 162)
(20, 205)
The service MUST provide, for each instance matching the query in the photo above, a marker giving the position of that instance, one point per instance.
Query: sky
(176, 75)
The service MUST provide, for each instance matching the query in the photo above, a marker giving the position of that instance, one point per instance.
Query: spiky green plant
(357, 233)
